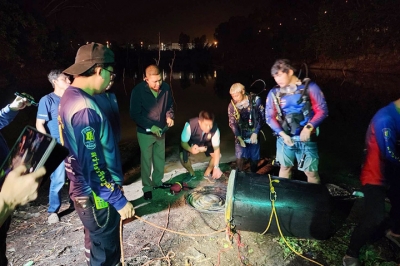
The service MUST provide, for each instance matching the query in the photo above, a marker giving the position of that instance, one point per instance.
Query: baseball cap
(88, 55)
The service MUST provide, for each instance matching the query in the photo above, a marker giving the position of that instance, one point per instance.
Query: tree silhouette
(184, 39)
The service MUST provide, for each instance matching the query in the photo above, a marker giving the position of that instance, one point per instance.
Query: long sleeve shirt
(93, 163)
(147, 110)
(288, 105)
(240, 128)
(381, 146)
(6, 116)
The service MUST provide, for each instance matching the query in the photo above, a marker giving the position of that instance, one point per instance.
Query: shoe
(395, 239)
(148, 195)
(209, 178)
(53, 218)
(350, 261)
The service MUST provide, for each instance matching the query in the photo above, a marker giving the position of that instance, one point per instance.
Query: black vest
(197, 136)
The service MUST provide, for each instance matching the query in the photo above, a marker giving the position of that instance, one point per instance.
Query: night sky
(134, 21)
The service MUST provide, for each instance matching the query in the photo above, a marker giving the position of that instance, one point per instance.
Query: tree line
(309, 30)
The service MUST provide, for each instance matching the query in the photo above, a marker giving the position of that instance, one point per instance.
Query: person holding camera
(201, 134)
(246, 117)
(7, 115)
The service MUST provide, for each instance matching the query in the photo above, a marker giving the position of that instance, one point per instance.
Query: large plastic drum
(303, 209)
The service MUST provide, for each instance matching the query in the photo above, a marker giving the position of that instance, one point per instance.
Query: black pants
(3, 237)
(374, 215)
(103, 228)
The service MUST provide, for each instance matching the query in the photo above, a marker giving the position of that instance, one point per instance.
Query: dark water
(352, 101)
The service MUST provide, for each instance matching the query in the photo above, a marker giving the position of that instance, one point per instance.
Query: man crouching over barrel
(201, 134)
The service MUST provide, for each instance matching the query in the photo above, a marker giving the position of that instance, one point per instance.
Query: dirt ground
(31, 241)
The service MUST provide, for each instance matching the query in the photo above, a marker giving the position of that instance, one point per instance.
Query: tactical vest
(292, 123)
(247, 123)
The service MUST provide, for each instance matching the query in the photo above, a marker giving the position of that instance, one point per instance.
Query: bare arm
(40, 125)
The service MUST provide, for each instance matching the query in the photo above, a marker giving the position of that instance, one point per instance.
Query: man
(95, 175)
(46, 122)
(294, 111)
(7, 115)
(151, 108)
(379, 178)
(200, 134)
(246, 117)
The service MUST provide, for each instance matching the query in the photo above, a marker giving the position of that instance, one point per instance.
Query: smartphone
(32, 149)
(28, 98)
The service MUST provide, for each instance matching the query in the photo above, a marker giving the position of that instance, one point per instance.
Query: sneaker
(209, 178)
(148, 195)
(395, 239)
(350, 261)
(53, 218)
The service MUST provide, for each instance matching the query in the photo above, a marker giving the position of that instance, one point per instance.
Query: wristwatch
(309, 127)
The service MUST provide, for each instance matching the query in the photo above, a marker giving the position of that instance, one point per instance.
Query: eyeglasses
(112, 74)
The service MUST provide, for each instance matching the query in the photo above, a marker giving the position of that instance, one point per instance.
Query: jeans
(57, 180)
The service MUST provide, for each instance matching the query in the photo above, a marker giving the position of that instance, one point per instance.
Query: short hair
(237, 87)
(53, 75)
(91, 71)
(283, 65)
(204, 115)
(152, 70)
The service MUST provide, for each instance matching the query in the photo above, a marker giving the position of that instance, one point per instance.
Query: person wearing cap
(151, 108)
(46, 122)
(93, 166)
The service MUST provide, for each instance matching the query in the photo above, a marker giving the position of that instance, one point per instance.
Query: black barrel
(303, 209)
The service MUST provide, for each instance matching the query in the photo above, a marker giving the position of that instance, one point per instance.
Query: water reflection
(352, 99)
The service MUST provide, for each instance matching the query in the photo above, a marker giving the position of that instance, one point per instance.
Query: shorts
(286, 155)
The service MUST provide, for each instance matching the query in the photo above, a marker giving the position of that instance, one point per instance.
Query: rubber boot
(239, 165)
(253, 166)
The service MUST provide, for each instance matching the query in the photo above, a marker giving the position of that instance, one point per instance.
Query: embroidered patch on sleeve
(386, 133)
(88, 138)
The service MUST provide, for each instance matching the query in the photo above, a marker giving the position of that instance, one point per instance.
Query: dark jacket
(147, 110)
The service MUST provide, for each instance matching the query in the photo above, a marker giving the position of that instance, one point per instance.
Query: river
(352, 99)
